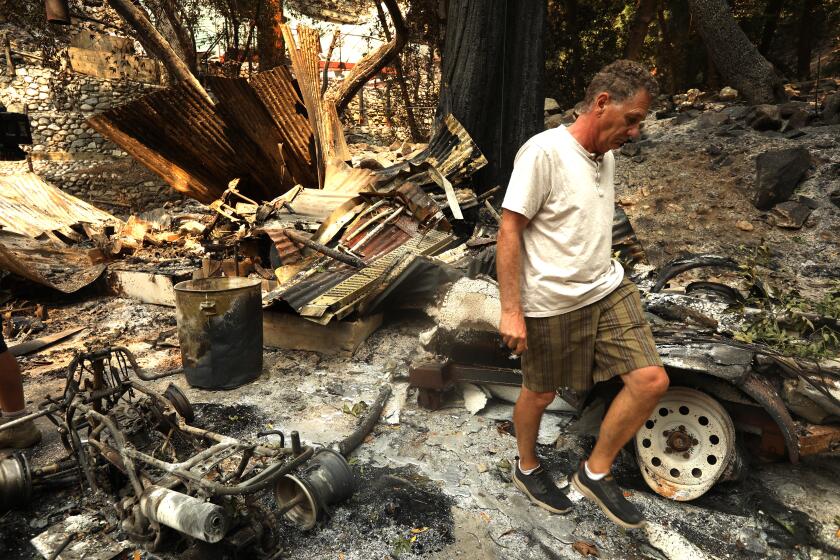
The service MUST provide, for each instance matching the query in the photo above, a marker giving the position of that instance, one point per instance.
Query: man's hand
(512, 329)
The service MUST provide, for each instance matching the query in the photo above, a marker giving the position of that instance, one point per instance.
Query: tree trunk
(492, 79)
(183, 36)
(325, 82)
(409, 110)
(807, 31)
(148, 35)
(645, 10)
(373, 62)
(7, 52)
(771, 20)
(270, 47)
(735, 57)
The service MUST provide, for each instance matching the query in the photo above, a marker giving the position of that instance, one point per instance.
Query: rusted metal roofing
(323, 117)
(30, 206)
(46, 263)
(276, 90)
(198, 148)
(451, 151)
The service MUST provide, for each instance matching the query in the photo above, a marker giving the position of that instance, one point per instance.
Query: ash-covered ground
(434, 484)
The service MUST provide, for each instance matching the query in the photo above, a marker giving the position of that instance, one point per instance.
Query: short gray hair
(621, 79)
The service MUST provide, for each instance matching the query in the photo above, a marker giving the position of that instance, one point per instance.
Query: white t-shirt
(569, 198)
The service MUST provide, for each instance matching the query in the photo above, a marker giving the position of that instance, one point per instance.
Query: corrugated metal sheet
(45, 263)
(451, 151)
(193, 147)
(323, 117)
(30, 206)
(282, 100)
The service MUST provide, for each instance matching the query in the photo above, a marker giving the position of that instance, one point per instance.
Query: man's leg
(13, 405)
(526, 421)
(11, 385)
(641, 392)
(528, 475)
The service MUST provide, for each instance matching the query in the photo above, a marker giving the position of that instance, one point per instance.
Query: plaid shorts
(594, 343)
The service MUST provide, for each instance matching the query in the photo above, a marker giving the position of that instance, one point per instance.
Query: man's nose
(634, 132)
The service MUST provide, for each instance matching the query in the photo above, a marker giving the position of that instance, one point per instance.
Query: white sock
(524, 471)
(592, 475)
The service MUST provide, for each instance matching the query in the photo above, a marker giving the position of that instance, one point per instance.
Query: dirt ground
(446, 474)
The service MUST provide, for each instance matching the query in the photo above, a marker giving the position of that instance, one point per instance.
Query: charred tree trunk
(645, 10)
(409, 110)
(183, 36)
(735, 57)
(270, 47)
(771, 21)
(150, 36)
(368, 67)
(807, 31)
(493, 78)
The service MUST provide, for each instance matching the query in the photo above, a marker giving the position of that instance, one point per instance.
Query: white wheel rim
(686, 444)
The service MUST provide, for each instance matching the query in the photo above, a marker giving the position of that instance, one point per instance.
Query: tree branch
(371, 64)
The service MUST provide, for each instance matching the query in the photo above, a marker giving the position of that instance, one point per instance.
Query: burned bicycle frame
(102, 414)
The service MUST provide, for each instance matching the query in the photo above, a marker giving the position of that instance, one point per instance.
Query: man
(12, 403)
(566, 306)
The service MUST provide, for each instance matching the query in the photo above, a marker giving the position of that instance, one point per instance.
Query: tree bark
(176, 67)
(409, 111)
(372, 63)
(771, 21)
(492, 79)
(325, 81)
(735, 57)
(183, 35)
(270, 46)
(807, 31)
(7, 52)
(645, 10)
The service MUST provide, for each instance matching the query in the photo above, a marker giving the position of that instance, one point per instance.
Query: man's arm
(508, 268)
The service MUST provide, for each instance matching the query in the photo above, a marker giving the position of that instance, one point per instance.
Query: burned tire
(686, 445)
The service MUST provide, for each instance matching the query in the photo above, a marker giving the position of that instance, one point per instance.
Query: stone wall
(67, 152)
(60, 103)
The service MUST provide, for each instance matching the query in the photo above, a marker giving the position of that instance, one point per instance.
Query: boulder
(728, 94)
(831, 110)
(834, 197)
(766, 117)
(790, 215)
(551, 106)
(797, 120)
(711, 119)
(778, 172)
(553, 121)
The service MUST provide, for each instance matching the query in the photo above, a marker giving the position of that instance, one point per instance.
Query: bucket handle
(208, 306)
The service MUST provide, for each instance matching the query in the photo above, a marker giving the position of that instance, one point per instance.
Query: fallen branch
(351, 442)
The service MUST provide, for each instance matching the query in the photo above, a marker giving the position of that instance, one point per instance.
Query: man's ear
(602, 100)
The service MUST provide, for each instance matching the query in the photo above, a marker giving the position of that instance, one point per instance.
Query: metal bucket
(220, 329)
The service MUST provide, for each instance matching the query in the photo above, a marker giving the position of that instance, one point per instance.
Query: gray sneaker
(541, 489)
(610, 498)
(25, 434)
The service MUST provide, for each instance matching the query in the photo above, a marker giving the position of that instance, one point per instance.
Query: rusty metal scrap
(47, 263)
(198, 490)
(326, 126)
(277, 92)
(30, 206)
(193, 147)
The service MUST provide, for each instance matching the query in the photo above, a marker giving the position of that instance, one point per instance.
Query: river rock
(778, 172)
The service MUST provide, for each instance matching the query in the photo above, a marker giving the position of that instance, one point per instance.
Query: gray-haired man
(566, 306)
